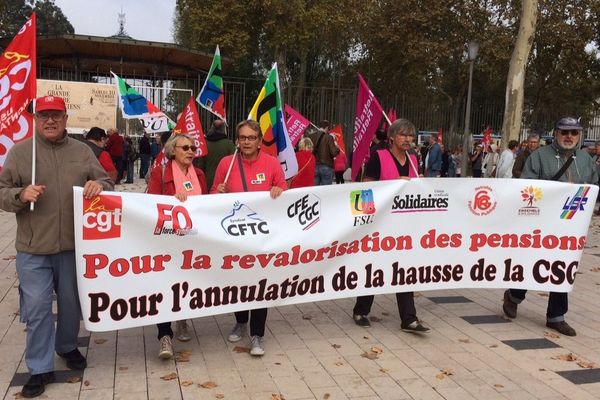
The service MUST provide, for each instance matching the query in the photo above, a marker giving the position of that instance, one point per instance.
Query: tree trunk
(298, 101)
(511, 125)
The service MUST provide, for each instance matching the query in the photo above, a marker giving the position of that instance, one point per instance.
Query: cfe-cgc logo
(530, 195)
(242, 220)
(102, 217)
(575, 203)
(483, 202)
(173, 220)
(362, 205)
(306, 210)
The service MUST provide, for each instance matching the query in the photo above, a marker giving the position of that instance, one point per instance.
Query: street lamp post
(472, 55)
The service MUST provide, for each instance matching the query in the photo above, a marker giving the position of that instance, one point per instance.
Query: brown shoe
(562, 327)
(509, 307)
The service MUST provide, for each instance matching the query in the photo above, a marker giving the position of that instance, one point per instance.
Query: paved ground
(315, 351)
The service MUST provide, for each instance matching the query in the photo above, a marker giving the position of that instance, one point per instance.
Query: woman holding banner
(249, 170)
(181, 179)
(395, 162)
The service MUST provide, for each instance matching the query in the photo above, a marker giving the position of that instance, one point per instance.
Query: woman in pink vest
(395, 162)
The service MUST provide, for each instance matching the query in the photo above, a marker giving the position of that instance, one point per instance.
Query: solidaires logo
(483, 201)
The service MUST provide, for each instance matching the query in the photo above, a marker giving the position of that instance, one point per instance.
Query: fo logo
(173, 220)
(102, 217)
(362, 205)
(483, 202)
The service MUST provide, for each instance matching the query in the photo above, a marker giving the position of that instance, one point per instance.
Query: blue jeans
(323, 175)
(144, 164)
(433, 173)
(39, 276)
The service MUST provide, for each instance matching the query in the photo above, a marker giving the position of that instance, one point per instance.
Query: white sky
(144, 19)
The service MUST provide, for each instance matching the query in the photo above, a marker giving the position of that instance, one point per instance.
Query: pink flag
(368, 117)
(295, 123)
(189, 124)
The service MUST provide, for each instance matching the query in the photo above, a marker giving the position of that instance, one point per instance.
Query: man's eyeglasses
(187, 147)
(572, 132)
(54, 115)
(247, 138)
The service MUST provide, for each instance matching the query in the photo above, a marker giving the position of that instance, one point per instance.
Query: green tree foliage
(13, 14)
(50, 18)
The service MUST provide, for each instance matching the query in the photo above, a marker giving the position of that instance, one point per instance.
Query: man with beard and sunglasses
(560, 161)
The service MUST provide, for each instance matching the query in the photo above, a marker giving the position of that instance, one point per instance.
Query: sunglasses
(188, 147)
(572, 133)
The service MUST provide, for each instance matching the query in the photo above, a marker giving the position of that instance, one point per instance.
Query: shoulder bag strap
(563, 169)
(242, 175)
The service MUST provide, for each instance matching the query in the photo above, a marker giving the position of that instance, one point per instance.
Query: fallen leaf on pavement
(277, 363)
(326, 396)
(307, 317)
(187, 383)
(86, 383)
(543, 294)
(493, 346)
(339, 363)
(551, 335)
(565, 357)
(240, 349)
(385, 313)
(336, 346)
(447, 371)
(585, 364)
(440, 376)
(365, 337)
(374, 318)
(498, 385)
(384, 370)
(464, 340)
(376, 350)
(369, 355)
(9, 258)
(278, 396)
(219, 396)
(183, 356)
(123, 368)
(100, 341)
(73, 379)
(208, 385)
(169, 377)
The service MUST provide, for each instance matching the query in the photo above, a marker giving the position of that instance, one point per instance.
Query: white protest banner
(144, 259)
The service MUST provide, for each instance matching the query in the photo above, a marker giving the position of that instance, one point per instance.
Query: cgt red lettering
(176, 215)
(102, 217)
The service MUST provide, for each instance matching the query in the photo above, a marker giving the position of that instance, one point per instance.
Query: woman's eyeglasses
(187, 147)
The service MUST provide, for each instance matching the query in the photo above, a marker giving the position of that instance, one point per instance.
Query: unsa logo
(102, 217)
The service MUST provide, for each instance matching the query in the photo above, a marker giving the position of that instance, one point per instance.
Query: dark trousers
(406, 307)
(339, 177)
(164, 329)
(558, 303)
(118, 161)
(144, 165)
(258, 320)
(477, 173)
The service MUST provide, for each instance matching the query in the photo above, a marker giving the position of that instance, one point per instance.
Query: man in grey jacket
(546, 163)
(45, 237)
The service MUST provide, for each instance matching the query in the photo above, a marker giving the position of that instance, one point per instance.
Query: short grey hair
(170, 145)
(305, 144)
(402, 125)
(534, 136)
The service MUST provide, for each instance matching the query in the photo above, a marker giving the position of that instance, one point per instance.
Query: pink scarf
(186, 183)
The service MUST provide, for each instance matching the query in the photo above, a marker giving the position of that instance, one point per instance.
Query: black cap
(96, 134)
(568, 124)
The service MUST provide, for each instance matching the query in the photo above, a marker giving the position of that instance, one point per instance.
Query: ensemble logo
(575, 203)
(530, 195)
(306, 210)
(242, 221)
(173, 220)
(483, 202)
(362, 205)
(102, 217)
(410, 203)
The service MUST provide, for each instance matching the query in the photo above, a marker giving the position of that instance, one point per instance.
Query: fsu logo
(362, 206)
(483, 202)
(102, 217)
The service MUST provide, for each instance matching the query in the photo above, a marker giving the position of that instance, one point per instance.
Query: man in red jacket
(115, 147)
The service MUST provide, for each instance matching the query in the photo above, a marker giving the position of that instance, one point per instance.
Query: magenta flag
(295, 124)
(368, 117)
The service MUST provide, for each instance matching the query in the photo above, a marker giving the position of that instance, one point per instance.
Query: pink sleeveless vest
(388, 166)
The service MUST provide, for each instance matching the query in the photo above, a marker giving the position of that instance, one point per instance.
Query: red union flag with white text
(189, 124)
(17, 87)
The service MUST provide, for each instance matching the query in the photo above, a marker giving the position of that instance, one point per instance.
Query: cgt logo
(306, 210)
(173, 220)
(244, 221)
(362, 205)
(575, 203)
(102, 217)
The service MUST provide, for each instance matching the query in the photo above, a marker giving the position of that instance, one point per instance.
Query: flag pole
(33, 152)
(230, 166)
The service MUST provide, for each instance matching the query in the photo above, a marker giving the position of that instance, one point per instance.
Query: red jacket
(115, 145)
(306, 170)
(157, 181)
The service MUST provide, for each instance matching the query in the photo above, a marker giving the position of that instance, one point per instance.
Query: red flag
(440, 135)
(487, 138)
(189, 124)
(391, 116)
(339, 137)
(17, 87)
(295, 123)
(368, 116)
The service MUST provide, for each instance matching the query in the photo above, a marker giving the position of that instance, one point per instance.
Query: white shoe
(237, 333)
(165, 350)
(257, 346)
(183, 333)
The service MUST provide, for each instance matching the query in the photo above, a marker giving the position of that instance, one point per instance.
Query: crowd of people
(45, 242)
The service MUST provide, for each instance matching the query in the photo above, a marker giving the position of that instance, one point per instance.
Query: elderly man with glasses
(45, 240)
(560, 161)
